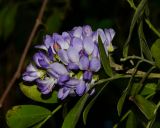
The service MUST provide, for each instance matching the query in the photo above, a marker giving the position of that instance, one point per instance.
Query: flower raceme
(68, 61)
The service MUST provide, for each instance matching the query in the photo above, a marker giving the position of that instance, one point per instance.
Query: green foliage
(131, 121)
(72, 117)
(104, 58)
(145, 106)
(155, 52)
(7, 20)
(33, 93)
(24, 116)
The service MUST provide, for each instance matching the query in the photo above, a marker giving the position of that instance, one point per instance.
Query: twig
(18, 71)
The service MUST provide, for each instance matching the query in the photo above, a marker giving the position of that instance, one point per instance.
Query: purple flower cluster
(68, 61)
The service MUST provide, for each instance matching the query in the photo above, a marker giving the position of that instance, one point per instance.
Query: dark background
(17, 18)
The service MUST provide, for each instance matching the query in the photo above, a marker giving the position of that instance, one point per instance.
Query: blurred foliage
(17, 18)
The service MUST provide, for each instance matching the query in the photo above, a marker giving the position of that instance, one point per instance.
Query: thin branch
(18, 71)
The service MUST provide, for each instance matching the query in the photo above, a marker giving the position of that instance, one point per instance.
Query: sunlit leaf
(139, 11)
(72, 117)
(90, 104)
(24, 116)
(33, 93)
(155, 52)
(145, 106)
(149, 88)
(104, 58)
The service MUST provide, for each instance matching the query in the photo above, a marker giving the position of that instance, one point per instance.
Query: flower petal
(84, 63)
(73, 55)
(87, 76)
(58, 68)
(63, 56)
(63, 93)
(80, 89)
(87, 30)
(95, 64)
(76, 32)
(77, 44)
(101, 34)
(88, 45)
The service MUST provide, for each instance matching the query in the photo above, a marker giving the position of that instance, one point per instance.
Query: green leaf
(54, 22)
(24, 116)
(149, 88)
(145, 106)
(72, 117)
(139, 11)
(104, 58)
(131, 121)
(155, 52)
(2, 17)
(90, 104)
(143, 43)
(9, 21)
(33, 93)
(121, 102)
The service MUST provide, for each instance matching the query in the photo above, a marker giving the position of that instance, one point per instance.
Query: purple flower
(32, 73)
(41, 60)
(46, 85)
(69, 61)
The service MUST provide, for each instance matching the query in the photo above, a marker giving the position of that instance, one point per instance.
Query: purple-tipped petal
(48, 41)
(63, 78)
(63, 93)
(72, 66)
(41, 60)
(95, 64)
(88, 45)
(95, 52)
(77, 44)
(58, 68)
(73, 55)
(84, 63)
(80, 89)
(66, 37)
(87, 30)
(63, 56)
(28, 78)
(87, 76)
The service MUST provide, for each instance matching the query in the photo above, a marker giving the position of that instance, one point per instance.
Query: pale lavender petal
(76, 32)
(30, 67)
(43, 47)
(110, 33)
(77, 44)
(63, 56)
(66, 37)
(84, 63)
(88, 45)
(101, 34)
(72, 82)
(95, 52)
(58, 68)
(87, 76)
(95, 37)
(73, 55)
(95, 64)
(48, 41)
(28, 78)
(87, 30)
(80, 89)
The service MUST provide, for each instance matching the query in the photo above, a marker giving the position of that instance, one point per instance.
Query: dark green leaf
(33, 93)
(24, 116)
(90, 104)
(9, 21)
(139, 11)
(104, 58)
(72, 117)
(145, 106)
(54, 22)
(143, 43)
(131, 121)
(121, 102)
(155, 52)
